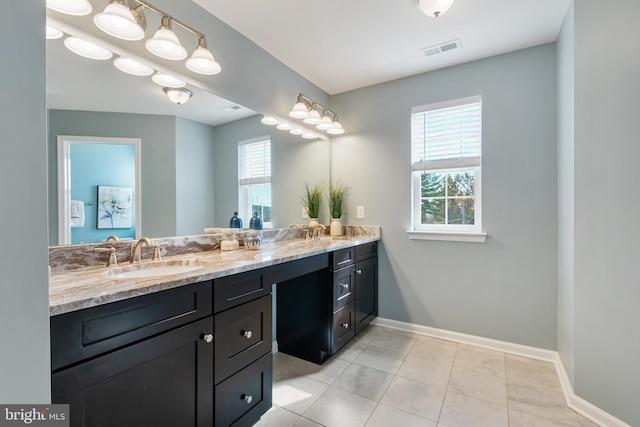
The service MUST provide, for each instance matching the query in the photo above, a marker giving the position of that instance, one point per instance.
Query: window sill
(448, 236)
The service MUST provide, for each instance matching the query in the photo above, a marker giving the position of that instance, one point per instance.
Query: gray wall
(195, 177)
(294, 161)
(24, 295)
(505, 288)
(606, 153)
(565, 170)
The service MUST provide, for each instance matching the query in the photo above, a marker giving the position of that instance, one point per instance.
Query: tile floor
(388, 378)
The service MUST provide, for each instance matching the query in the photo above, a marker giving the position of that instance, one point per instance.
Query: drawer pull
(345, 325)
(359, 271)
(247, 334)
(344, 285)
(208, 338)
(247, 398)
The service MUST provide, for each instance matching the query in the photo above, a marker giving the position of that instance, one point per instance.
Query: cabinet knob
(208, 338)
(359, 271)
(247, 334)
(247, 398)
(344, 285)
(345, 325)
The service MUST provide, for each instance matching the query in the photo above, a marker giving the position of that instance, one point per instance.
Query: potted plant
(312, 201)
(338, 193)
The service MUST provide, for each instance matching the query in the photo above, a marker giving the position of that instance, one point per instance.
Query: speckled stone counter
(86, 284)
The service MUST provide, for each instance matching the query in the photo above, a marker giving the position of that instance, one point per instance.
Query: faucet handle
(156, 251)
(113, 260)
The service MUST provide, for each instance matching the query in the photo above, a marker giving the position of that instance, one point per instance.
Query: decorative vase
(336, 227)
(313, 222)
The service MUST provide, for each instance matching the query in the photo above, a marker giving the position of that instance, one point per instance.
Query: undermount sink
(153, 269)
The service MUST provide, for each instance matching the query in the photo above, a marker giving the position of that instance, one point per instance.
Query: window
(446, 160)
(254, 179)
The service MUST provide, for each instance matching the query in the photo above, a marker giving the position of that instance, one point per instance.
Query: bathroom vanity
(195, 348)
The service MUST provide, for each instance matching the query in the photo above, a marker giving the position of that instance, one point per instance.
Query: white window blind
(447, 135)
(254, 162)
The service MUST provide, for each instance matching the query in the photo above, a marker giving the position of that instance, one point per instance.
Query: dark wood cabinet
(366, 286)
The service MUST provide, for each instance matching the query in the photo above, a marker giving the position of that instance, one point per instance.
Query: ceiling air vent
(443, 47)
(231, 108)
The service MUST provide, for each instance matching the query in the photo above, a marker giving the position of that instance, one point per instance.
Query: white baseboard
(581, 406)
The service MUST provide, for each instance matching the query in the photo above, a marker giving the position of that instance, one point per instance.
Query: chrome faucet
(136, 256)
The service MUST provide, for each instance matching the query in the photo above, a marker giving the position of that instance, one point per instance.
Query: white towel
(76, 214)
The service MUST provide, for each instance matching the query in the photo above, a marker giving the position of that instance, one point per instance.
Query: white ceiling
(340, 45)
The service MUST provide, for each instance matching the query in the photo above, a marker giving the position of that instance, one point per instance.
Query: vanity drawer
(343, 287)
(343, 327)
(368, 250)
(237, 289)
(242, 335)
(243, 398)
(87, 333)
(343, 258)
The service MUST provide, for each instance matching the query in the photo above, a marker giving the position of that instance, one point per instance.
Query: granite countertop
(88, 287)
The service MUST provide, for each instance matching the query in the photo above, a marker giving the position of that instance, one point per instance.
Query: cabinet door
(163, 381)
(366, 292)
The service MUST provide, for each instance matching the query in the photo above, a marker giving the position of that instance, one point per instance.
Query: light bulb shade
(434, 8)
(119, 21)
(313, 118)
(284, 126)
(297, 131)
(165, 43)
(132, 67)
(53, 33)
(70, 7)
(337, 128)
(269, 121)
(86, 49)
(299, 111)
(202, 61)
(178, 95)
(309, 135)
(327, 123)
(167, 80)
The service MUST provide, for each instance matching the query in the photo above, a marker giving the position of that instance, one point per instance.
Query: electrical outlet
(305, 213)
(360, 211)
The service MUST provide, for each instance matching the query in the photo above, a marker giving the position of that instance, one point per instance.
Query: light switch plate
(360, 211)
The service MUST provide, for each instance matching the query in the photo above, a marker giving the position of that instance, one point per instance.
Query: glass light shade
(70, 7)
(132, 67)
(434, 8)
(297, 131)
(165, 43)
(178, 95)
(167, 80)
(309, 135)
(118, 20)
(284, 126)
(202, 62)
(270, 121)
(313, 118)
(326, 124)
(86, 49)
(337, 129)
(53, 33)
(299, 111)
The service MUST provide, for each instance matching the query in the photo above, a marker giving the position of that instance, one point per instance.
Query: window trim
(245, 184)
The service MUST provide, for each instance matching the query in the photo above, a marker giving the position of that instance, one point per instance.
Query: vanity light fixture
(284, 126)
(269, 121)
(165, 43)
(297, 131)
(119, 20)
(86, 48)
(132, 67)
(434, 8)
(309, 111)
(70, 7)
(178, 95)
(167, 80)
(202, 60)
(53, 33)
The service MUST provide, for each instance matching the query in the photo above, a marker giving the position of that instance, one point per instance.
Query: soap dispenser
(235, 221)
(256, 222)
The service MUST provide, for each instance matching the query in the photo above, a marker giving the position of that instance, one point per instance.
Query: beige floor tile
(394, 340)
(370, 332)
(531, 373)
(487, 387)
(297, 394)
(464, 411)
(522, 419)
(543, 402)
(287, 367)
(278, 417)
(353, 349)
(381, 359)
(386, 416)
(414, 397)
(305, 422)
(425, 371)
(435, 350)
(364, 381)
(480, 360)
(338, 408)
(330, 371)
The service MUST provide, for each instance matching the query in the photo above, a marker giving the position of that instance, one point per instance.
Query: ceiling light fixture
(119, 20)
(86, 48)
(53, 33)
(167, 80)
(178, 95)
(434, 8)
(309, 111)
(70, 7)
(132, 67)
